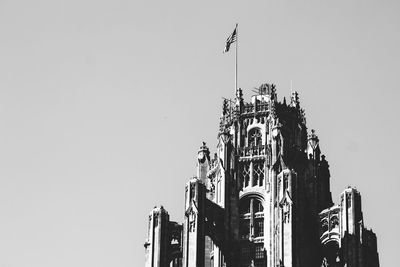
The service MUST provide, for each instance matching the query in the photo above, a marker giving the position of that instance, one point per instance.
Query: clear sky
(104, 104)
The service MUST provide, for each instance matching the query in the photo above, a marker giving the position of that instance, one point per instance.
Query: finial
(294, 101)
(203, 147)
(238, 99)
(239, 93)
(312, 135)
(313, 139)
(225, 107)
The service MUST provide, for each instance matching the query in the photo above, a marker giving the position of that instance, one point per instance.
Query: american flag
(231, 39)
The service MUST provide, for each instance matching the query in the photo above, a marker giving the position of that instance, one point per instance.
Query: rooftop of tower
(264, 102)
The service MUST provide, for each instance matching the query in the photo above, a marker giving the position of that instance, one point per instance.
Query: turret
(156, 246)
(350, 204)
(352, 226)
(193, 226)
(203, 163)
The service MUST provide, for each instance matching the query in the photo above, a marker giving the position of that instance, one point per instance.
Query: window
(245, 229)
(251, 231)
(348, 197)
(192, 191)
(252, 218)
(245, 175)
(258, 173)
(259, 251)
(245, 254)
(192, 222)
(244, 206)
(257, 206)
(255, 137)
(259, 227)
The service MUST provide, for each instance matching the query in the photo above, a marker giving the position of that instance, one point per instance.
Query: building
(263, 199)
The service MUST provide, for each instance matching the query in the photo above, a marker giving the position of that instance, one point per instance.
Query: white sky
(104, 104)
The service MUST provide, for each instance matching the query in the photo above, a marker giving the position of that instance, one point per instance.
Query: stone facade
(263, 199)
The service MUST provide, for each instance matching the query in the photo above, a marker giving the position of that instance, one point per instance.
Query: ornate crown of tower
(264, 198)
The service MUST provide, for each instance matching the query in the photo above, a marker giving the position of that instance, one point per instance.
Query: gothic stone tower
(264, 198)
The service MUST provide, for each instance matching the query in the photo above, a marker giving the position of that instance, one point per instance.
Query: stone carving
(271, 168)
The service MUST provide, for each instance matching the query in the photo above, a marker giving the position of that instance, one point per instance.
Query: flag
(231, 39)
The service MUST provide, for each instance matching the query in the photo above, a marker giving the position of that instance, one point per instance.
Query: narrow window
(258, 173)
(245, 174)
(255, 137)
(259, 227)
(257, 206)
(244, 206)
(286, 182)
(259, 251)
(245, 254)
(245, 229)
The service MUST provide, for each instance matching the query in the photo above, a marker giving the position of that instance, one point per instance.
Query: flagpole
(236, 57)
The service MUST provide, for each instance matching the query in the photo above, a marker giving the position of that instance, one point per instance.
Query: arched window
(255, 137)
(252, 218)
(244, 175)
(258, 173)
(252, 231)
